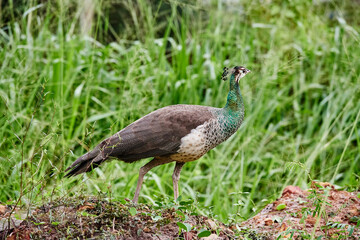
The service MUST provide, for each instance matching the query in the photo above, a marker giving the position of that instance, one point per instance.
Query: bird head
(238, 72)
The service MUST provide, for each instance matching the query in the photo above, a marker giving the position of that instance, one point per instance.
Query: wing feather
(156, 134)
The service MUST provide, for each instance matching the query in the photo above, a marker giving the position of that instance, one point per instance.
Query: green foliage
(39, 223)
(203, 233)
(86, 214)
(132, 211)
(63, 92)
(281, 206)
(184, 226)
(344, 227)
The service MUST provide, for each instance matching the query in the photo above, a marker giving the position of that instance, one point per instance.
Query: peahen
(177, 133)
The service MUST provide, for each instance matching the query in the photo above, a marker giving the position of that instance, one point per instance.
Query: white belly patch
(198, 142)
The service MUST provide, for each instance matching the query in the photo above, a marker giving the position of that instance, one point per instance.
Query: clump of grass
(62, 93)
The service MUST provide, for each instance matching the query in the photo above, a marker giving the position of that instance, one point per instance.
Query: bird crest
(225, 74)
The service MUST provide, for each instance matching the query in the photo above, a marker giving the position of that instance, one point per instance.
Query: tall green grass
(63, 92)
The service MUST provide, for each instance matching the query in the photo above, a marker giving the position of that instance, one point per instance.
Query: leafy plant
(203, 233)
(184, 226)
(132, 211)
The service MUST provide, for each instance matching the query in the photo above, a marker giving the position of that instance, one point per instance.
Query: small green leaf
(132, 211)
(17, 216)
(182, 215)
(281, 206)
(186, 226)
(334, 225)
(354, 219)
(39, 223)
(185, 203)
(86, 214)
(204, 233)
(358, 195)
(181, 225)
(55, 223)
(351, 230)
(178, 199)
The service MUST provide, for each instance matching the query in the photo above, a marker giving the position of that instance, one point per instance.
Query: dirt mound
(321, 212)
(99, 219)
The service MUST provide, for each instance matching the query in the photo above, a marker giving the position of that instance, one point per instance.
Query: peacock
(177, 133)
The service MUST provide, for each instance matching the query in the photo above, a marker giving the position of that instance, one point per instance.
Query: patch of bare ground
(321, 212)
(332, 213)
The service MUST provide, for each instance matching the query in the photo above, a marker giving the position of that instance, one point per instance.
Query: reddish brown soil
(300, 214)
(99, 219)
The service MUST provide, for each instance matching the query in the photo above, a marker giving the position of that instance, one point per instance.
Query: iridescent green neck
(234, 104)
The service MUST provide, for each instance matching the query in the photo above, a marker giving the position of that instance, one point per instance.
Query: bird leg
(146, 168)
(176, 177)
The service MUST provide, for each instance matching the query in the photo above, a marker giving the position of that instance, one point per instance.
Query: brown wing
(156, 134)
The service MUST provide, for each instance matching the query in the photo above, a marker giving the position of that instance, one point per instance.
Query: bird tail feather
(85, 163)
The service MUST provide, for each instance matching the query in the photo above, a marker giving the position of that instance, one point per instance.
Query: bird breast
(199, 141)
